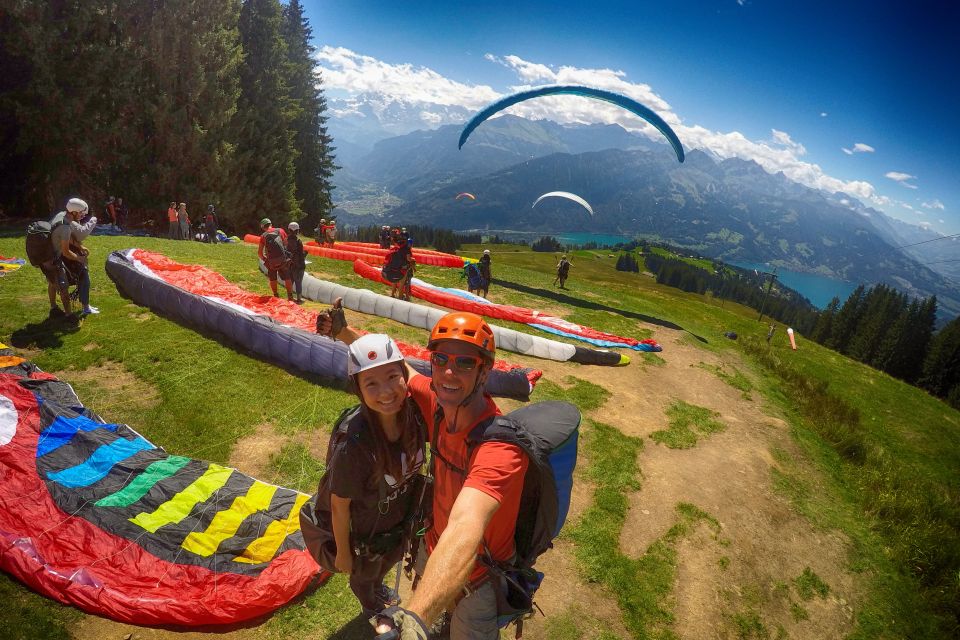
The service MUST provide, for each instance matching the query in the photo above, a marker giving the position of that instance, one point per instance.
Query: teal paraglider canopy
(629, 104)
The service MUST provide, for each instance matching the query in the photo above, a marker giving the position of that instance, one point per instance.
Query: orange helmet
(466, 327)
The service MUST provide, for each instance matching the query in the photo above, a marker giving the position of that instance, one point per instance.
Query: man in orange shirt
(476, 495)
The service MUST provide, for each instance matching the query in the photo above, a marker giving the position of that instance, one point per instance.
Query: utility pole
(773, 276)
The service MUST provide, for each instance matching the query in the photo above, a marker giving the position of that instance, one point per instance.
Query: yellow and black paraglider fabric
(94, 515)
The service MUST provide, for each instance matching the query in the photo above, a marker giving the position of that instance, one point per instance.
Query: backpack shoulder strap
(435, 447)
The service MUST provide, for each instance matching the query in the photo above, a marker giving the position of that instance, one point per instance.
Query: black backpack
(39, 247)
(316, 522)
(273, 243)
(548, 433)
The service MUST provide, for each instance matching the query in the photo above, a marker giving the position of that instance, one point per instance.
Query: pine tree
(314, 164)
(846, 321)
(941, 368)
(824, 325)
(187, 56)
(264, 165)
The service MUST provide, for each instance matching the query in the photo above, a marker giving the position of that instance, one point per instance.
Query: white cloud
(933, 204)
(901, 178)
(347, 71)
(354, 73)
(823, 114)
(941, 221)
(859, 147)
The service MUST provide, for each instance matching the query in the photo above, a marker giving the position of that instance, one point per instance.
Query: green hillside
(728, 489)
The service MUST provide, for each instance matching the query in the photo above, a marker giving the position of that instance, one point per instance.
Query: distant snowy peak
(395, 116)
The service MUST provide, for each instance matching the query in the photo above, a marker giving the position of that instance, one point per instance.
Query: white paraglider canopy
(569, 196)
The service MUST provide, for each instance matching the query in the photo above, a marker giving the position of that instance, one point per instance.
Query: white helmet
(371, 351)
(293, 226)
(486, 252)
(76, 205)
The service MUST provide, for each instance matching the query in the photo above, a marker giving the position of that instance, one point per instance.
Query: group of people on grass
(374, 488)
(283, 257)
(179, 224)
(360, 524)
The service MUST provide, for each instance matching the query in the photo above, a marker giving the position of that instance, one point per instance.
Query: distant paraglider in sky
(469, 196)
(569, 196)
(599, 94)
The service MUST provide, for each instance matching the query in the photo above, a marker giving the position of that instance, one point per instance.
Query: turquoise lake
(818, 289)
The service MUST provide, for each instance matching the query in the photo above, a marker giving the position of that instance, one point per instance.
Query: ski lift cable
(926, 241)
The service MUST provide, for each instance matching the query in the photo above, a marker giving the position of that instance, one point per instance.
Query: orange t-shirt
(496, 468)
(171, 215)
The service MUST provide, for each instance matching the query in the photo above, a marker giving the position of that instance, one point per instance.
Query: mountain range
(726, 208)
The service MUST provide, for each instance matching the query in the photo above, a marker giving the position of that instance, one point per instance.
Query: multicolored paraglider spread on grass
(466, 301)
(94, 515)
(278, 330)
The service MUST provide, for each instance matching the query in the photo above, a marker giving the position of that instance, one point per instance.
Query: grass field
(862, 459)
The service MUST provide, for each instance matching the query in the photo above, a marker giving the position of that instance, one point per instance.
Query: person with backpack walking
(398, 267)
(273, 252)
(485, 274)
(373, 485)
(298, 259)
(476, 486)
(46, 252)
(563, 270)
(66, 236)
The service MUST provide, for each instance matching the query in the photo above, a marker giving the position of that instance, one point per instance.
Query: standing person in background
(298, 259)
(385, 236)
(174, 225)
(110, 208)
(273, 252)
(122, 212)
(211, 223)
(485, 273)
(563, 270)
(406, 234)
(184, 220)
(398, 267)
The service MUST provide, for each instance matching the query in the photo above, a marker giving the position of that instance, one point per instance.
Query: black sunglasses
(461, 363)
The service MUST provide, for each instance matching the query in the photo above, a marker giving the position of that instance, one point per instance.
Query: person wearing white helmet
(298, 259)
(70, 256)
(362, 515)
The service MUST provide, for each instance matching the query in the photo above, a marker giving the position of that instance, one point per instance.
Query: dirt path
(763, 544)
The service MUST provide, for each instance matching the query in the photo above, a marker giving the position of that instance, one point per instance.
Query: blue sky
(791, 85)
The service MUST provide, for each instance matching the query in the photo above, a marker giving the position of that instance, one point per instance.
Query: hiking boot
(57, 312)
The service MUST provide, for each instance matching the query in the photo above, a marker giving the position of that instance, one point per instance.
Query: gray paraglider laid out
(264, 336)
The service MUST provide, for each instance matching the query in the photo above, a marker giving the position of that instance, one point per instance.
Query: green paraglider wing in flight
(599, 94)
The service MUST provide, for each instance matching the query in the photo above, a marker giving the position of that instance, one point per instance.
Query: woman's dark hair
(411, 440)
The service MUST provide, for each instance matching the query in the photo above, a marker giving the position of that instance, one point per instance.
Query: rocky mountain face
(731, 209)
